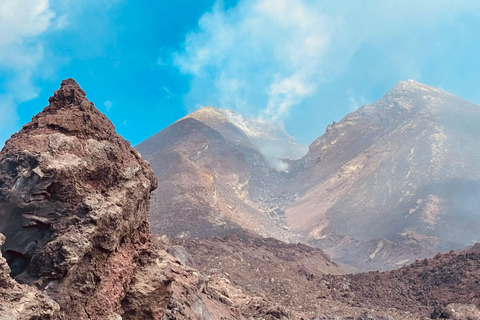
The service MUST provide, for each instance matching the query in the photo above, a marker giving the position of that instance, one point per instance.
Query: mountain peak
(76, 199)
(70, 82)
(208, 115)
(68, 112)
(410, 86)
(69, 94)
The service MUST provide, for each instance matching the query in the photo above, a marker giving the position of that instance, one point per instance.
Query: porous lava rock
(74, 202)
(22, 301)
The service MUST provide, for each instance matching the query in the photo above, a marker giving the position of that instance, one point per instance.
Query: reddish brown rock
(22, 301)
(447, 284)
(74, 209)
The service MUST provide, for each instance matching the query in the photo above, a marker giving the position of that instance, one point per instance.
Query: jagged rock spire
(74, 200)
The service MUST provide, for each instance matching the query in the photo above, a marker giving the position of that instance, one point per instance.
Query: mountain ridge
(359, 183)
(74, 200)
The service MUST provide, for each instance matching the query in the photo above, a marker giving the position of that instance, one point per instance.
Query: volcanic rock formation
(74, 198)
(22, 301)
(73, 207)
(392, 182)
(296, 276)
(214, 178)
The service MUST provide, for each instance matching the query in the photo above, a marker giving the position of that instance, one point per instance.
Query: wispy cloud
(169, 94)
(23, 18)
(355, 101)
(260, 54)
(264, 57)
(20, 21)
(108, 105)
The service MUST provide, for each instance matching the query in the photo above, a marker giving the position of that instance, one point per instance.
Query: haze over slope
(217, 178)
(403, 169)
(391, 182)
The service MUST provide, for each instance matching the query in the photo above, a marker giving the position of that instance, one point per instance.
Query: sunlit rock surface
(74, 208)
(74, 202)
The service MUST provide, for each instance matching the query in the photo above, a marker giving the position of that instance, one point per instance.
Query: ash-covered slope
(391, 182)
(394, 180)
(215, 179)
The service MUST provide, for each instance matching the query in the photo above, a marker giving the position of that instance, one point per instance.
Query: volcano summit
(392, 182)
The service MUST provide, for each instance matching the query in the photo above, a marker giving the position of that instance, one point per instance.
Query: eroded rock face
(74, 202)
(74, 199)
(22, 301)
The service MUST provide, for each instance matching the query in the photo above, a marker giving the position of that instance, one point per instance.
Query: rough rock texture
(74, 202)
(446, 286)
(22, 301)
(262, 267)
(196, 295)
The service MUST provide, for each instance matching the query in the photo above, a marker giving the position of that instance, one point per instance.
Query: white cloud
(355, 101)
(20, 22)
(108, 105)
(268, 50)
(23, 18)
(168, 92)
(262, 57)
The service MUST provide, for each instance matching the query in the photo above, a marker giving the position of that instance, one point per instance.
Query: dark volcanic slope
(262, 266)
(213, 180)
(393, 180)
(447, 285)
(427, 287)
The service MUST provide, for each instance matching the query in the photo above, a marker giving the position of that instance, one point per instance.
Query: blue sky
(301, 63)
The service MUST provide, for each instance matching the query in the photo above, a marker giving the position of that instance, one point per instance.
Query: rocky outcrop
(74, 202)
(22, 301)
